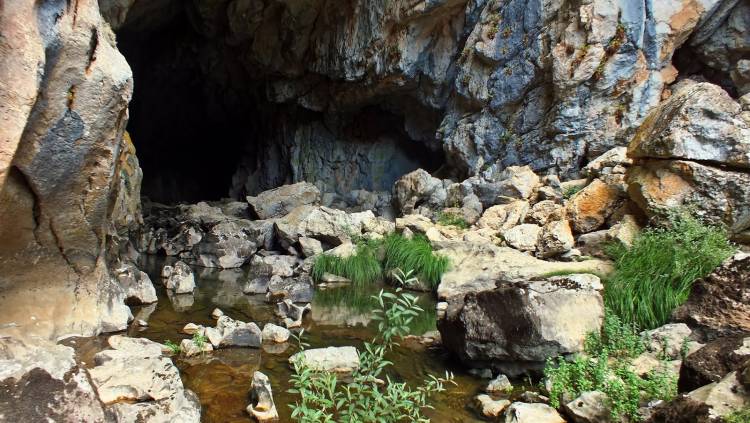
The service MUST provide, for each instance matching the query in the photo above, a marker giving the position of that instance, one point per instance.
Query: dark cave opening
(188, 144)
(204, 127)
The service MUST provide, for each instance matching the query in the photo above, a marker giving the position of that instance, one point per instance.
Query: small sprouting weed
(173, 348)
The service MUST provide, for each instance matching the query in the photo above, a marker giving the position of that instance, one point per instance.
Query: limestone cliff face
(337, 91)
(64, 93)
(550, 83)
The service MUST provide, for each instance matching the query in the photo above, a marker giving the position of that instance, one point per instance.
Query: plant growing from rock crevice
(448, 218)
(607, 366)
(654, 275)
(199, 340)
(173, 348)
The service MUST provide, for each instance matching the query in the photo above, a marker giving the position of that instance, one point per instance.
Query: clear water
(339, 317)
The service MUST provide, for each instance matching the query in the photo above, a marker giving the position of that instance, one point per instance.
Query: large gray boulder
(280, 201)
(297, 289)
(715, 194)
(699, 122)
(203, 235)
(477, 266)
(229, 244)
(417, 190)
(329, 226)
(517, 325)
(180, 278)
(693, 152)
(235, 333)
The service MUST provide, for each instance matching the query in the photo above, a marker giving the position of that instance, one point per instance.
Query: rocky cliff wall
(552, 84)
(335, 92)
(64, 93)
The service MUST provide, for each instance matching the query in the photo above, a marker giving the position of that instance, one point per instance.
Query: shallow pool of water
(339, 317)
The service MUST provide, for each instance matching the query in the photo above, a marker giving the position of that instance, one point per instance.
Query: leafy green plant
(199, 340)
(414, 255)
(620, 339)
(173, 348)
(606, 366)
(655, 274)
(448, 218)
(404, 279)
(360, 267)
(323, 397)
(740, 416)
(571, 190)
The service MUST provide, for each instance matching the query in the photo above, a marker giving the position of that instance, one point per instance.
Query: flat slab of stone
(331, 359)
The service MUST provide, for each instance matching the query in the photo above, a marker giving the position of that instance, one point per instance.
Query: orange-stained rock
(714, 194)
(589, 209)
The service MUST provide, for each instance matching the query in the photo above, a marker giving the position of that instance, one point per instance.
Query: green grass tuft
(414, 255)
(400, 253)
(572, 190)
(452, 219)
(173, 347)
(361, 268)
(740, 416)
(655, 275)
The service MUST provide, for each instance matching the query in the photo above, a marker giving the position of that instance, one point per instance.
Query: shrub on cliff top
(655, 275)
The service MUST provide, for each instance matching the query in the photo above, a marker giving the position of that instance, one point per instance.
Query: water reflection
(340, 316)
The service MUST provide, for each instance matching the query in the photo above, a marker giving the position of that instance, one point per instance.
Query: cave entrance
(188, 139)
(206, 127)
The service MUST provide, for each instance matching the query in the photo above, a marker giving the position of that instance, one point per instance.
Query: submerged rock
(137, 285)
(490, 407)
(181, 279)
(262, 407)
(235, 333)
